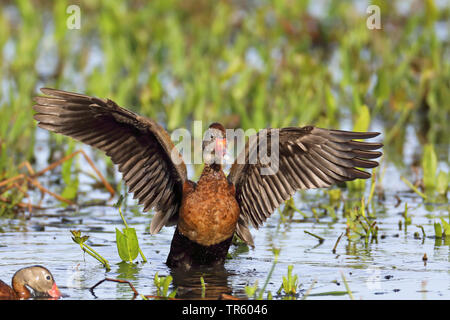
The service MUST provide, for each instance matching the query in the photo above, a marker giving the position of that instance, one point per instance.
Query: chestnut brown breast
(209, 212)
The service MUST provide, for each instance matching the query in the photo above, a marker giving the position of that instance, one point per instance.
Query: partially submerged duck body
(209, 213)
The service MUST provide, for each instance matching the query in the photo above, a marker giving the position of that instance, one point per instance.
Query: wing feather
(309, 157)
(140, 147)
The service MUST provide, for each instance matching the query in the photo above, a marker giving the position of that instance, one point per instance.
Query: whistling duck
(207, 214)
(36, 278)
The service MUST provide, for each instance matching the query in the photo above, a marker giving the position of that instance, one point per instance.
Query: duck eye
(48, 277)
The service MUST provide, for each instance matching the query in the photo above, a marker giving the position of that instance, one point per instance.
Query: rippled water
(390, 269)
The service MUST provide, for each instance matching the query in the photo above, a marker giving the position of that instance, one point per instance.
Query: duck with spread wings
(208, 213)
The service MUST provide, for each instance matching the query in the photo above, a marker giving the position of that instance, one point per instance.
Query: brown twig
(115, 280)
(21, 204)
(12, 186)
(42, 189)
(135, 292)
(18, 181)
(5, 182)
(27, 165)
(91, 163)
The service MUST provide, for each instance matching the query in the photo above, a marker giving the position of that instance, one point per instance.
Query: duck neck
(211, 172)
(214, 167)
(19, 287)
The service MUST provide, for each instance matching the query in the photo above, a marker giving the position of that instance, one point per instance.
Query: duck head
(38, 279)
(214, 145)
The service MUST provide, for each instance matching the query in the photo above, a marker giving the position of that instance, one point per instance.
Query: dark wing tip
(363, 163)
(362, 145)
(64, 94)
(353, 134)
(365, 154)
(368, 135)
(48, 91)
(358, 174)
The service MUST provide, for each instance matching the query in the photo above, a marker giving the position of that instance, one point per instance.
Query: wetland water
(390, 269)
(247, 64)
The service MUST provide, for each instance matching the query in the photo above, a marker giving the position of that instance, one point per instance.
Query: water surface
(391, 268)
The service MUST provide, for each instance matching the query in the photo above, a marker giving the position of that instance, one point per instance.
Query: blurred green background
(248, 64)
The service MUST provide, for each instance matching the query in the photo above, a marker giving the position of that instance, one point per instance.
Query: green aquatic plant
(361, 225)
(424, 235)
(407, 218)
(126, 240)
(442, 230)
(197, 62)
(81, 241)
(254, 292)
(347, 287)
(334, 195)
(127, 244)
(373, 184)
(251, 291)
(442, 183)
(361, 124)
(437, 230)
(288, 211)
(433, 180)
(71, 181)
(202, 282)
(162, 286)
(321, 240)
(290, 283)
(429, 166)
(414, 188)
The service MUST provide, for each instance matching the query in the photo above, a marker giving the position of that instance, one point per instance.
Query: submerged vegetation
(253, 64)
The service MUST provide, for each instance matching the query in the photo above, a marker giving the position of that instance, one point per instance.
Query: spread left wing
(309, 157)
